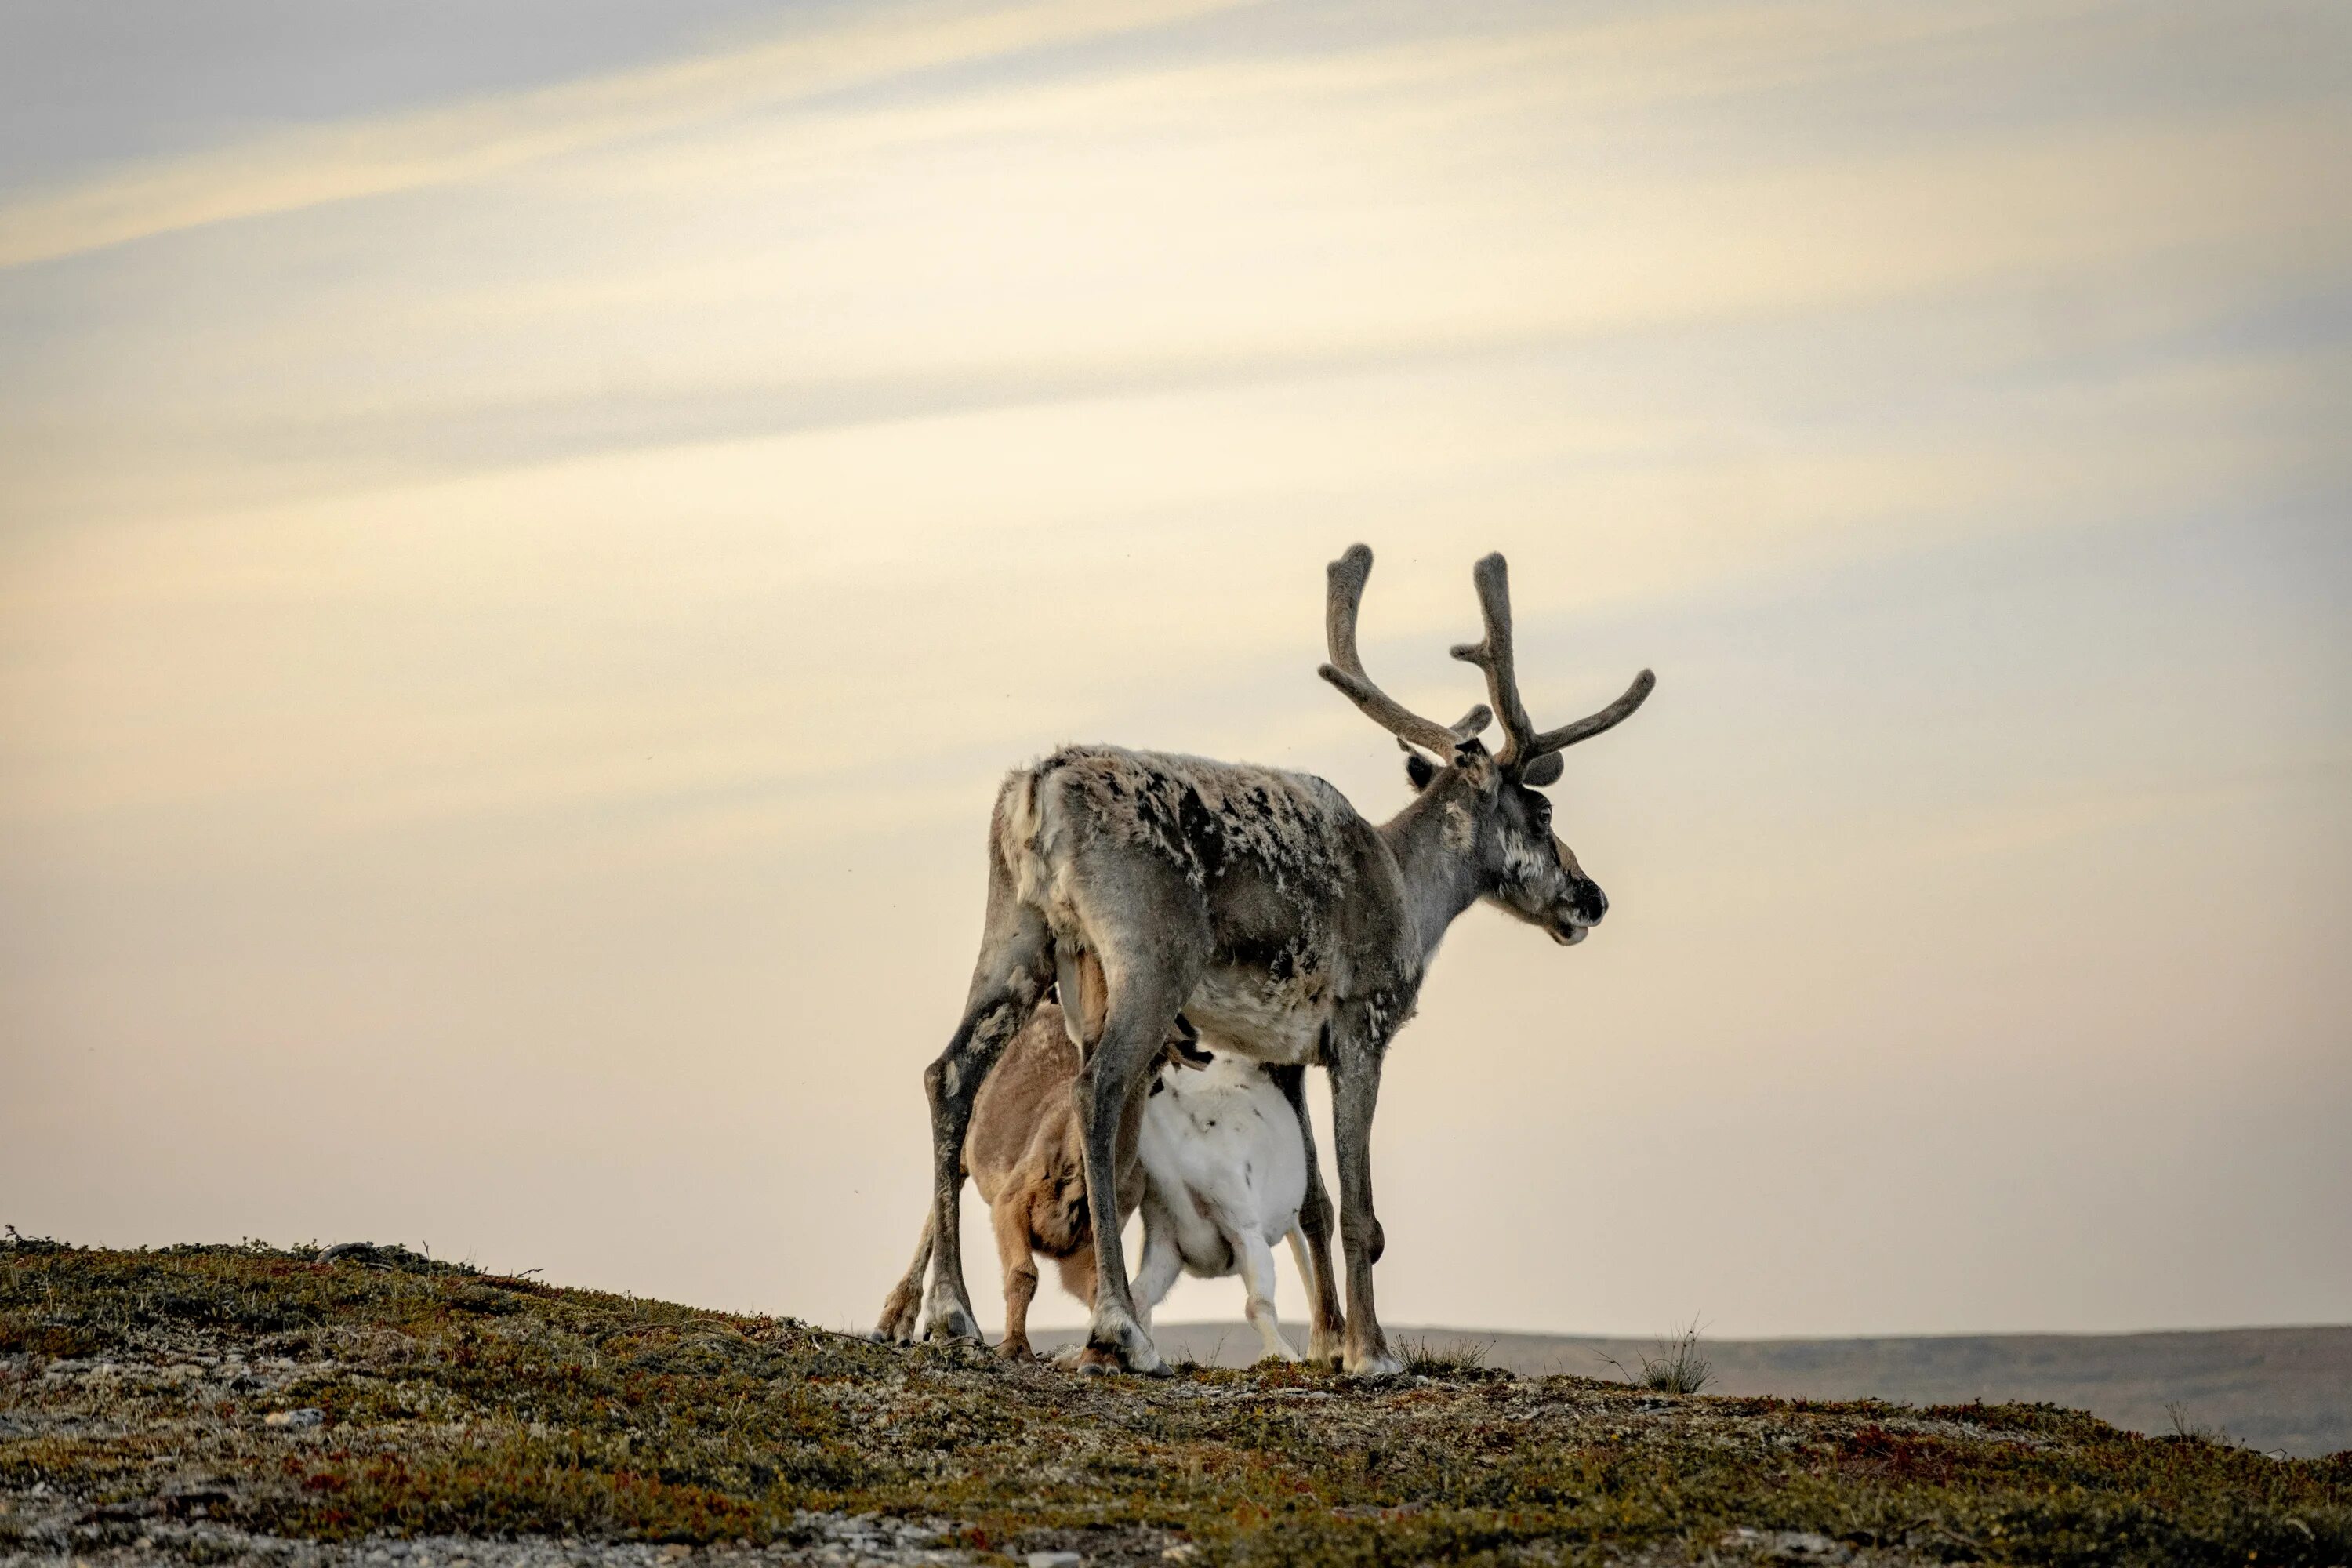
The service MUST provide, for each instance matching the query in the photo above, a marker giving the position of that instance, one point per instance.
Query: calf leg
(1163, 1260)
(1323, 1345)
(1256, 1261)
(1078, 1275)
(1311, 1241)
(1010, 1219)
(898, 1321)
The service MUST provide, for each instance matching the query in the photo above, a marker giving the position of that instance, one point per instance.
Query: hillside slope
(213, 1405)
(2283, 1390)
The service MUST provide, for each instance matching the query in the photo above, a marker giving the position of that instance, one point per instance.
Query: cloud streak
(503, 133)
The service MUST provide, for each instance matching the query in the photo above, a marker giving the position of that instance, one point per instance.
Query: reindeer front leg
(1355, 1092)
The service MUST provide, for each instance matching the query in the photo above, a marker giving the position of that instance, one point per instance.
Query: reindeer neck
(1441, 880)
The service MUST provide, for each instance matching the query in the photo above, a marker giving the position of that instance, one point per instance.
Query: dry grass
(1428, 1356)
(1679, 1367)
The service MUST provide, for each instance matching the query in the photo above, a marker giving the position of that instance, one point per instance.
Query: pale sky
(530, 532)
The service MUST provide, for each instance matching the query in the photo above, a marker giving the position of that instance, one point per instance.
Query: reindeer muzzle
(1183, 1047)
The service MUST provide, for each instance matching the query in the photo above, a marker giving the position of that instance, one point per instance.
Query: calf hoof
(1016, 1350)
(897, 1323)
(1380, 1364)
(1143, 1359)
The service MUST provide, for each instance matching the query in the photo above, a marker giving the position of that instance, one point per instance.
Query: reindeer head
(1494, 812)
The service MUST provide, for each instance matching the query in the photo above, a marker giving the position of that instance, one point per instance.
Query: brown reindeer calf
(1025, 1151)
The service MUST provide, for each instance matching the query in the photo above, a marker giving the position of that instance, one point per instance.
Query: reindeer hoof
(952, 1323)
(1093, 1362)
(1376, 1366)
(1015, 1350)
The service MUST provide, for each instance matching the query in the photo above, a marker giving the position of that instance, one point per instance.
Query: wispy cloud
(1158, 222)
(407, 152)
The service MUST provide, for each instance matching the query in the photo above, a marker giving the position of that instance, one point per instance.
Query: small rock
(1790, 1545)
(308, 1415)
(1056, 1560)
(1182, 1552)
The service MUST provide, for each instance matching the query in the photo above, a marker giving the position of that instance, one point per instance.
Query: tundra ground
(248, 1404)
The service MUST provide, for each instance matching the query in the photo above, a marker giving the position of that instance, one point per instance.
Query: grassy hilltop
(220, 1404)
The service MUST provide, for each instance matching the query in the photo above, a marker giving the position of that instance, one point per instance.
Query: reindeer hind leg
(1144, 999)
(1015, 961)
(1311, 1242)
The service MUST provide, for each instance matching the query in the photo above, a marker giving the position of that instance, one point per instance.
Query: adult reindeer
(1262, 906)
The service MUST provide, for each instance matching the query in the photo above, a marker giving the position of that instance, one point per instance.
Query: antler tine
(1493, 656)
(1592, 725)
(1524, 747)
(1345, 577)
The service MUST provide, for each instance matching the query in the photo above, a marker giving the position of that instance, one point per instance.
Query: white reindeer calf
(1224, 1168)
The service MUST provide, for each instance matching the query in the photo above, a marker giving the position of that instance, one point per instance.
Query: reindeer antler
(1347, 576)
(1524, 746)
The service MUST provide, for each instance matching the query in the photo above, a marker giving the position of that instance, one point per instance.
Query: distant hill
(2274, 1389)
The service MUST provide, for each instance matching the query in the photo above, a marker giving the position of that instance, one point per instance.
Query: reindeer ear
(1543, 770)
(1474, 762)
(1419, 770)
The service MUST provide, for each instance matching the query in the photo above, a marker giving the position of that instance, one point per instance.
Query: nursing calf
(1026, 1152)
(1225, 1167)
(1218, 1158)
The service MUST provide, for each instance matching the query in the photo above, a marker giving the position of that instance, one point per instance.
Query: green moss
(456, 1402)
